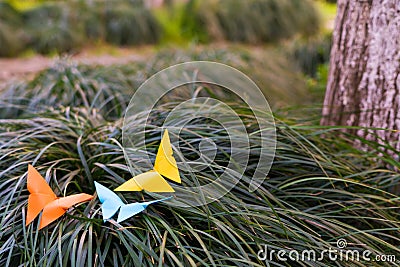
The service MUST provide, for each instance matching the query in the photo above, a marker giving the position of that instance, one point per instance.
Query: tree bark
(364, 82)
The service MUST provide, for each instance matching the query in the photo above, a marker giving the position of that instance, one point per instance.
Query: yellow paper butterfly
(152, 181)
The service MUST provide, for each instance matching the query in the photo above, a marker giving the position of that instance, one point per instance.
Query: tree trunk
(364, 82)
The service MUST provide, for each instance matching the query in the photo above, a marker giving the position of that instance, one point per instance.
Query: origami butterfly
(152, 181)
(111, 203)
(43, 198)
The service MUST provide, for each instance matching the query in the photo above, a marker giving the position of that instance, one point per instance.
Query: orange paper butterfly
(43, 198)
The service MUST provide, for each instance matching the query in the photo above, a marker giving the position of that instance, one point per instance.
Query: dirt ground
(17, 68)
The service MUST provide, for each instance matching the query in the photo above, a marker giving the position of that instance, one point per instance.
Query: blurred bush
(311, 53)
(107, 89)
(275, 74)
(8, 14)
(253, 21)
(65, 26)
(54, 28)
(12, 40)
(120, 23)
(92, 17)
(127, 25)
(58, 27)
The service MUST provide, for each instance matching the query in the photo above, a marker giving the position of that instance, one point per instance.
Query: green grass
(317, 84)
(12, 38)
(49, 27)
(130, 25)
(53, 29)
(254, 21)
(170, 20)
(310, 53)
(63, 83)
(319, 189)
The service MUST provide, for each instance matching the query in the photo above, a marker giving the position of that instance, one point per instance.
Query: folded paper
(43, 198)
(111, 203)
(152, 181)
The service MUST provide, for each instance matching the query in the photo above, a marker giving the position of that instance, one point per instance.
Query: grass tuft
(319, 189)
(254, 21)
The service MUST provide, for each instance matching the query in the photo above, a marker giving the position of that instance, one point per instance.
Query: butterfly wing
(150, 181)
(40, 194)
(130, 210)
(58, 207)
(165, 163)
(109, 200)
(130, 185)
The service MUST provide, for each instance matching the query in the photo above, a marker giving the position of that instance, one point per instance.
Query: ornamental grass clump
(319, 190)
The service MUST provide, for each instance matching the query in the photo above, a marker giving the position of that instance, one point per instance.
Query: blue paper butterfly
(111, 203)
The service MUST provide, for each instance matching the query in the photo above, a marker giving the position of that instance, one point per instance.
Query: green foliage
(276, 76)
(66, 84)
(120, 23)
(328, 10)
(126, 25)
(66, 122)
(9, 15)
(104, 90)
(93, 19)
(319, 190)
(170, 18)
(309, 54)
(25, 4)
(54, 28)
(254, 21)
(12, 39)
(192, 24)
(58, 27)
(317, 84)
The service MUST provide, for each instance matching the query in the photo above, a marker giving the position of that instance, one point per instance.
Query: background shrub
(9, 15)
(59, 27)
(253, 21)
(92, 15)
(12, 38)
(108, 88)
(311, 53)
(105, 90)
(130, 25)
(279, 79)
(54, 27)
(119, 22)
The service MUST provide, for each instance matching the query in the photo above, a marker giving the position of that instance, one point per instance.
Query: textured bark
(364, 82)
